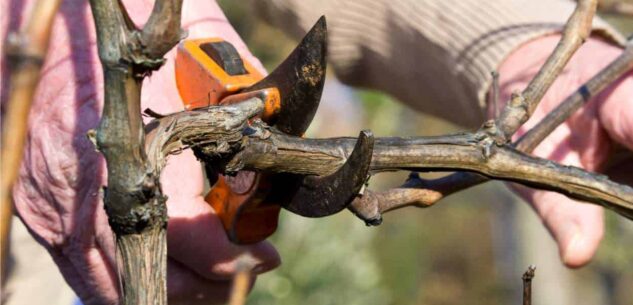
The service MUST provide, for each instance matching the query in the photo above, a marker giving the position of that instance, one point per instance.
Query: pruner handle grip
(211, 72)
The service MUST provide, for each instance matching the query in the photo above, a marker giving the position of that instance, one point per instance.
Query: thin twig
(442, 187)
(241, 280)
(26, 50)
(616, 7)
(521, 105)
(494, 94)
(162, 30)
(617, 68)
(452, 183)
(527, 285)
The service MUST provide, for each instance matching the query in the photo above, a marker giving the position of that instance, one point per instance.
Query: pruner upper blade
(327, 195)
(300, 80)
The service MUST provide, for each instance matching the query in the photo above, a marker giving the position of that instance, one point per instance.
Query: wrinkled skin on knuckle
(57, 194)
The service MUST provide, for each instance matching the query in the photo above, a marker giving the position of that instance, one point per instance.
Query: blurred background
(471, 248)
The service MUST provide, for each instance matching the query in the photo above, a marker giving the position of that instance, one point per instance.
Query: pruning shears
(212, 72)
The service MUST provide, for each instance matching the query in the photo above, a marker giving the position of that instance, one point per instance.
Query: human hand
(58, 192)
(585, 140)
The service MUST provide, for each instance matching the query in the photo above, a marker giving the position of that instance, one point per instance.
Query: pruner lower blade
(319, 196)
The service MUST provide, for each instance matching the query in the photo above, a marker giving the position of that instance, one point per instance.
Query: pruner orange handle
(211, 72)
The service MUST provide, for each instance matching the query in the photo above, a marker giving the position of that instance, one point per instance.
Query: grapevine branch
(521, 105)
(229, 137)
(270, 151)
(486, 152)
(133, 199)
(527, 284)
(423, 193)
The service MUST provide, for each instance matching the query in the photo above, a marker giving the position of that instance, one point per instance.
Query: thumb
(577, 227)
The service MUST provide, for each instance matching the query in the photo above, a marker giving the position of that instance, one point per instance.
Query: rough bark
(423, 193)
(134, 201)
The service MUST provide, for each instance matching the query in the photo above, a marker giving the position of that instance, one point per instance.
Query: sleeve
(434, 55)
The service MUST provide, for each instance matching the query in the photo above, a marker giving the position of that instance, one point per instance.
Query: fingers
(75, 280)
(85, 257)
(577, 227)
(582, 141)
(91, 265)
(186, 287)
(196, 237)
(197, 240)
(616, 110)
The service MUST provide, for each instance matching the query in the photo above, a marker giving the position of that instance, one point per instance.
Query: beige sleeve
(434, 55)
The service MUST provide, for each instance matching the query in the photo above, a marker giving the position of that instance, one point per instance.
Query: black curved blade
(300, 80)
(323, 196)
